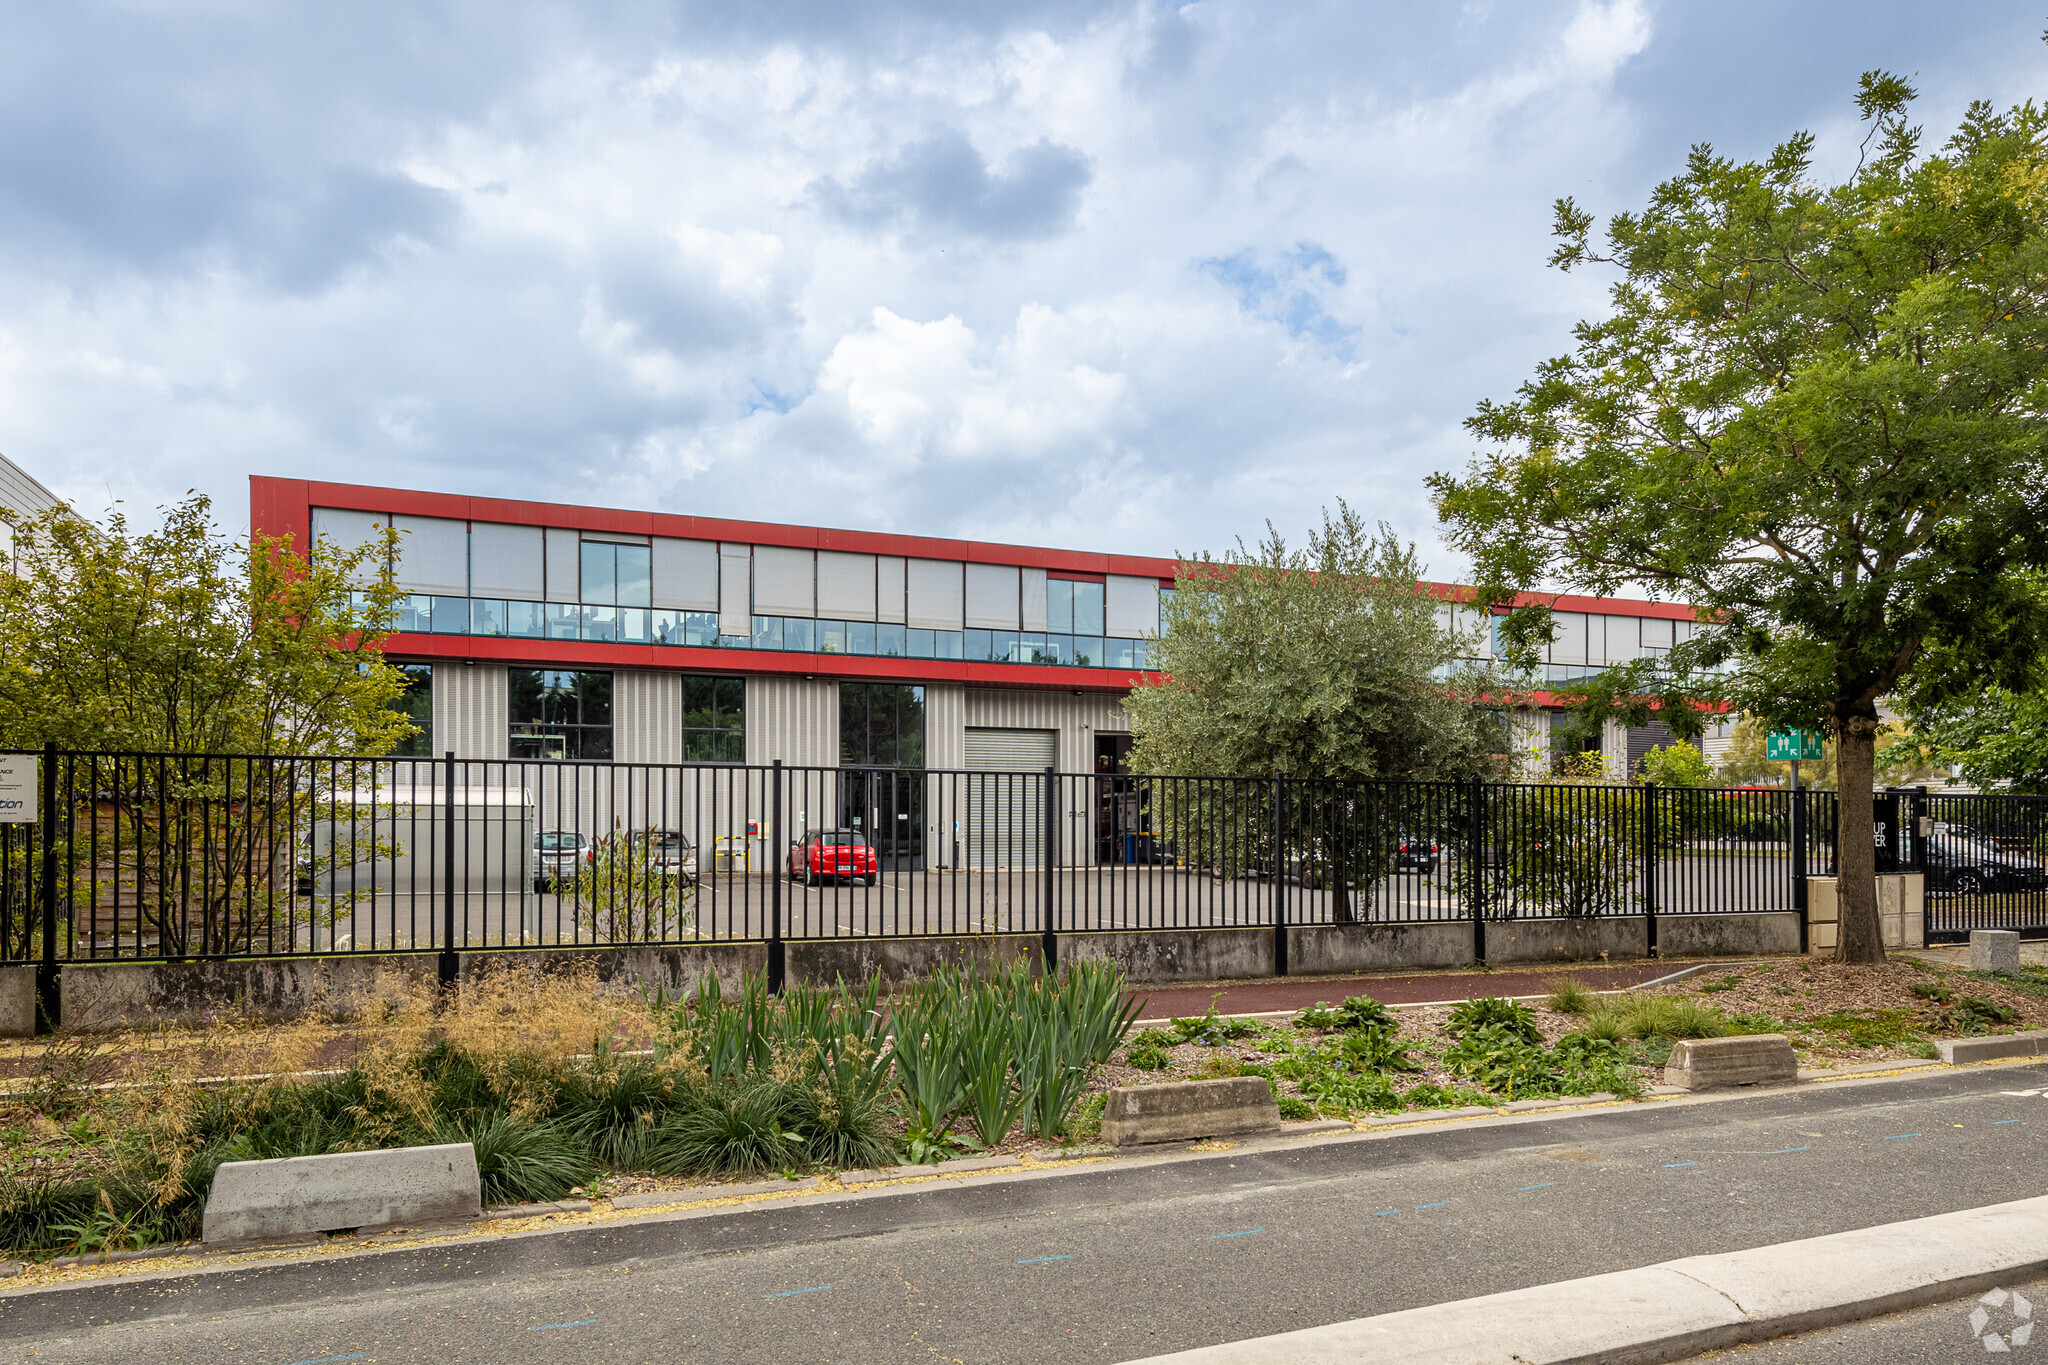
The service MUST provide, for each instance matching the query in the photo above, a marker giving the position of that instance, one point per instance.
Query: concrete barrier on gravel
(1723, 1063)
(302, 1194)
(1180, 1110)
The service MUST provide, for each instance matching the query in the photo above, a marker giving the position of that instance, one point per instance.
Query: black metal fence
(1984, 858)
(152, 857)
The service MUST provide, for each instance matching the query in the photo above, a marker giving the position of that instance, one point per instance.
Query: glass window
(451, 615)
(560, 713)
(767, 632)
(1120, 653)
(1088, 651)
(832, 637)
(701, 628)
(889, 641)
(799, 634)
(1141, 654)
(949, 644)
(1059, 606)
(635, 575)
(600, 573)
(668, 627)
(633, 625)
(1004, 646)
(525, 620)
(860, 637)
(1165, 601)
(714, 720)
(601, 623)
(486, 617)
(565, 621)
(881, 725)
(415, 614)
(1087, 609)
(416, 704)
(980, 645)
(1059, 649)
(922, 644)
(1030, 649)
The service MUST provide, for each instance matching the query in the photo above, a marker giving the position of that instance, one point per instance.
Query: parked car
(672, 855)
(822, 855)
(1417, 853)
(557, 853)
(1965, 866)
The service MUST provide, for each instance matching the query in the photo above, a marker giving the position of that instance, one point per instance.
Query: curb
(711, 1201)
(1681, 1308)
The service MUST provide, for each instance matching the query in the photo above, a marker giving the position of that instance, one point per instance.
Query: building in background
(540, 630)
(20, 496)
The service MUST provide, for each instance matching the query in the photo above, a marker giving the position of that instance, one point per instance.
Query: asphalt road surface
(1118, 1261)
(1937, 1332)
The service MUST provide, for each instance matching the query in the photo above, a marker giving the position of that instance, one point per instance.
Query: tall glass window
(416, 704)
(560, 713)
(881, 725)
(714, 720)
(617, 575)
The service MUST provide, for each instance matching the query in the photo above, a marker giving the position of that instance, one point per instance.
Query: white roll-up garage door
(1006, 796)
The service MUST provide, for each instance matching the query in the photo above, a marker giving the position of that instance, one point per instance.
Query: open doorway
(1119, 812)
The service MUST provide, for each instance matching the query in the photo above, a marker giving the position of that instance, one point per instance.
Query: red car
(824, 854)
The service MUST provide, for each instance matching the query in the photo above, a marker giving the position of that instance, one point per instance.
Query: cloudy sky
(1117, 276)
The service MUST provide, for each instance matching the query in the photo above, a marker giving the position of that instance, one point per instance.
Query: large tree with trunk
(1819, 413)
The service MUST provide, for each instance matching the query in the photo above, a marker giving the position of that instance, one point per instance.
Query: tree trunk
(1860, 936)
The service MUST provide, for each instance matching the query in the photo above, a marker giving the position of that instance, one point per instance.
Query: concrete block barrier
(1995, 950)
(303, 1194)
(1721, 1063)
(1678, 1309)
(1180, 1110)
(1961, 1051)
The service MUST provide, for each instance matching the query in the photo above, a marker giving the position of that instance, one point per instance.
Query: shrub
(1148, 1057)
(1295, 1108)
(1362, 1011)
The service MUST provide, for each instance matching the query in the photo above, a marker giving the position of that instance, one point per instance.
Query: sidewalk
(1268, 996)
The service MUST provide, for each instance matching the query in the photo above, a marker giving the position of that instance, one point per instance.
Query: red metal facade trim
(281, 506)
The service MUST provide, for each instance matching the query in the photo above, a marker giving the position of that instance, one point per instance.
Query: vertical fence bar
(1475, 848)
(777, 962)
(448, 964)
(1048, 942)
(1650, 869)
(1279, 881)
(1797, 840)
(49, 992)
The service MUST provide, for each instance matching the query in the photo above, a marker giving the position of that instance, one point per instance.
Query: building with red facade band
(545, 631)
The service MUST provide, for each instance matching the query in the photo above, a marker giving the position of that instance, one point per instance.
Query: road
(1119, 1261)
(1937, 1332)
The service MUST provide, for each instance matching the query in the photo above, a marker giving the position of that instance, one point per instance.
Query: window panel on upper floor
(433, 555)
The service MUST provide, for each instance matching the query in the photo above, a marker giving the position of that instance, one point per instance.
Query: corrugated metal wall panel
(507, 561)
(647, 717)
(471, 710)
(1077, 719)
(889, 591)
(1005, 824)
(685, 574)
(945, 726)
(793, 719)
(433, 555)
(735, 589)
(846, 586)
(935, 594)
(992, 597)
(19, 491)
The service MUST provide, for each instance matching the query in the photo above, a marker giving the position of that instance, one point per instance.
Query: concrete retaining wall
(124, 995)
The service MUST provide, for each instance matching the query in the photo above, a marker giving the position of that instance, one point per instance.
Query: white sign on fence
(18, 789)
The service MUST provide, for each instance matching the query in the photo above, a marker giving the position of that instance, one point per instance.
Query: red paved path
(1260, 997)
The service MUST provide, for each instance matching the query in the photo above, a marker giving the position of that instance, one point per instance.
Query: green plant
(1374, 1049)
(1572, 996)
(1212, 1029)
(1446, 1097)
(1294, 1108)
(525, 1162)
(1220, 1067)
(1493, 1011)
(1938, 991)
(1318, 1015)
(1719, 984)
(1362, 1011)
(1086, 1123)
(1148, 1057)
(1867, 1028)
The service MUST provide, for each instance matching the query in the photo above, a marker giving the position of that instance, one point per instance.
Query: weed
(1446, 1097)
(1148, 1057)
(1086, 1123)
(1572, 996)
(1937, 991)
(1220, 1067)
(1212, 1029)
(1719, 984)
(1294, 1108)
(1867, 1028)
(1492, 1011)
(1362, 1011)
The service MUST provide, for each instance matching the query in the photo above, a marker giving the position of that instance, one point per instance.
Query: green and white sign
(18, 789)
(1793, 745)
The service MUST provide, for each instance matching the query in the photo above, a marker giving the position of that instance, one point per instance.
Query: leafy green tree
(1676, 765)
(1998, 739)
(1333, 662)
(1815, 412)
(183, 640)
(175, 648)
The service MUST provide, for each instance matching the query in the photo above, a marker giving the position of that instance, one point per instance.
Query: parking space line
(783, 1294)
(1996, 1122)
(329, 1360)
(1384, 1212)
(1896, 1136)
(1245, 1233)
(1544, 1186)
(586, 1322)
(1782, 1150)
(1041, 1260)
(1674, 1165)
(1437, 1205)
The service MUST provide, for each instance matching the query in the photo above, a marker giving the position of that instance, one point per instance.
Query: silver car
(558, 854)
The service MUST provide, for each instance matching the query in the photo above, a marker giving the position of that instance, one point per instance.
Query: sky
(1122, 277)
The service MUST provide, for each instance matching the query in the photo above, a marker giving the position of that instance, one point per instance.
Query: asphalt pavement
(1117, 1260)
(1919, 1336)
